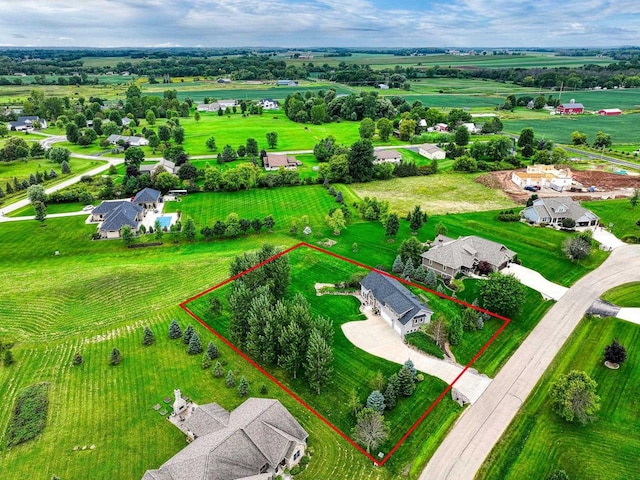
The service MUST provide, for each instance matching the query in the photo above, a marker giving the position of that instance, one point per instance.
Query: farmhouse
(167, 165)
(268, 104)
(609, 112)
(441, 127)
(387, 156)
(448, 257)
(27, 123)
(400, 308)
(275, 161)
(383, 86)
(571, 108)
(126, 139)
(554, 210)
(471, 127)
(256, 441)
(115, 214)
(431, 151)
(287, 83)
(215, 106)
(543, 176)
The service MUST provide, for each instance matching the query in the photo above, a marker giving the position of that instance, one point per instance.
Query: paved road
(479, 428)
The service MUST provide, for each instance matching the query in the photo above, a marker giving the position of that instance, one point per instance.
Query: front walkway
(629, 314)
(376, 337)
(606, 238)
(534, 280)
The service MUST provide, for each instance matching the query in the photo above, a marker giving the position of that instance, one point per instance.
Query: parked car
(530, 188)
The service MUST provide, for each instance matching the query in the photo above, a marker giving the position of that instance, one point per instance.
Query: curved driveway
(479, 428)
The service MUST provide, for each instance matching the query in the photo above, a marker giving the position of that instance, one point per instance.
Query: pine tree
(217, 370)
(174, 330)
(412, 369)
(212, 351)
(375, 401)
(456, 330)
(148, 338)
(187, 334)
(64, 166)
(318, 361)
(339, 197)
(398, 265)
(391, 392)
(115, 357)
(230, 380)
(195, 347)
(263, 389)
(206, 362)
(408, 270)
(420, 274)
(8, 358)
(77, 360)
(406, 384)
(243, 387)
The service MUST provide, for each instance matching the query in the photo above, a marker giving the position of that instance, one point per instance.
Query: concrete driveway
(376, 337)
(481, 425)
(534, 280)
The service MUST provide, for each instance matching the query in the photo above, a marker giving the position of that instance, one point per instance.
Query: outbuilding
(608, 112)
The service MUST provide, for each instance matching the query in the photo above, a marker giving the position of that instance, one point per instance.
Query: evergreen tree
(230, 380)
(430, 279)
(416, 219)
(77, 359)
(174, 330)
(195, 347)
(375, 401)
(408, 270)
(456, 330)
(115, 357)
(412, 369)
(212, 351)
(291, 343)
(218, 371)
(243, 387)
(148, 338)
(318, 361)
(188, 333)
(391, 392)
(64, 166)
(406, 384)
(392, 225)
(263, 389)
(615, 353)
(206, 361)
(8, 358)
(419, 274)
(398, 265)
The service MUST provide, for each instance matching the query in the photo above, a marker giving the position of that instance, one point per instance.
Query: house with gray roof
(400, 308)
(553, 210)
(256, 441)
(147, 198)
(448, 257)
(115, 214)
(387, 156)
(431, 151)
(27, 123)
(132, 141)
(167, 165)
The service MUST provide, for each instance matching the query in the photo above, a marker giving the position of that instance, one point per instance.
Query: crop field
(559, 128)
(437, 194)
(353, 368)
(453, 100)
(538, 441)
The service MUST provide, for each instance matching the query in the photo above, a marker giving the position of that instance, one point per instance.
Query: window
(296, 455)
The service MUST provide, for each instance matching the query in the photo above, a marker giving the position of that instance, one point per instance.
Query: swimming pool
(165, 222)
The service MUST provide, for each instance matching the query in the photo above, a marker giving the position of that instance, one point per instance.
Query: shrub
(615, 353)
(77, 360)
(29, 415)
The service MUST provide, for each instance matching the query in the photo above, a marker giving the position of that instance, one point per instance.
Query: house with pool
(144, 209)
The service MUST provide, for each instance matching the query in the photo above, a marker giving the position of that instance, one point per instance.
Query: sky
(320, 23)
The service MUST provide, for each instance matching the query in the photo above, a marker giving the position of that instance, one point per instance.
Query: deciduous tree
(371, 429)
(502, 294)
(574, 397)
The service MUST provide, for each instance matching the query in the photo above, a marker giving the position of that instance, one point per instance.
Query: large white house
(553, 210)
(543, 176)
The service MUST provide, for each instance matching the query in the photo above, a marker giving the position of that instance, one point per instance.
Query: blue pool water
(165, 222)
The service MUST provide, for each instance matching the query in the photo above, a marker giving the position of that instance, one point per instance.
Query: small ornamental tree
(206, 361)
(243, 387)
(127, 235)
(195, 346)
(218, 371)
(148, 337)
(574, 397)
(577, 248)
(187, 334)
(212, 351)
(230, 381)
(615, 353)
(174, 330)
(371, 429)
(115, 358)
(77, 359)
(375, 401)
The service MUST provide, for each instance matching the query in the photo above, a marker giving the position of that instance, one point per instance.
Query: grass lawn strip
(627, 295)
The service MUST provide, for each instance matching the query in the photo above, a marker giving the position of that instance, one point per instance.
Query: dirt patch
(605, 180)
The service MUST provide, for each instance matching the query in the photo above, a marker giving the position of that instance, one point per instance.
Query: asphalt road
(482, 424)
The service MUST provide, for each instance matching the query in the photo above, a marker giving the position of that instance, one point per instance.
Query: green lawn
(620, 213)
(627, 295)
(538, 441)
(353, 368)
(51, 208)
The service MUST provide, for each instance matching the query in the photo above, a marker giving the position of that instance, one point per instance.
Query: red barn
(609, 111)
(570, 108)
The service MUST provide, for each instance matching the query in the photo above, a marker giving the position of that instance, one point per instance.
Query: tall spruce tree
(174, 330)
(195, 347)
(148, 337)
(186, 338)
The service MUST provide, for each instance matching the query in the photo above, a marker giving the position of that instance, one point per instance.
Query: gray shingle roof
(147, 195)
(465, 251)
(259, 432)
(108, 206)
(386, 154)
(391, 292)
(553, 207)
(124, 214)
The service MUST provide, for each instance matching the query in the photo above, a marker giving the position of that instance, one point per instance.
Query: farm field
(620, 213)
(538, 441)
(627, 295)
(439, 194)
(559, 128)
(353, 368)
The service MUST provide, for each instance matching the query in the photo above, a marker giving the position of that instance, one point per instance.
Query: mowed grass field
(111, 295)
(538, 441)
(627, 295)
(559, 128)
(353, 368)
(620, 213)
(445, 193)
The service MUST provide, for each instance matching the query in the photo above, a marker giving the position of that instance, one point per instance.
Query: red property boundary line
(376, 461)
